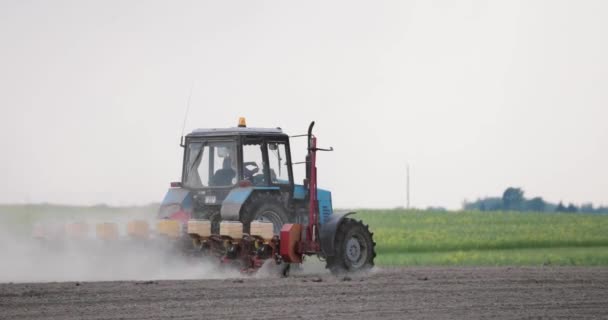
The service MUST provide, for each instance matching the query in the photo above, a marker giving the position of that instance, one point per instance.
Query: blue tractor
(245, 175)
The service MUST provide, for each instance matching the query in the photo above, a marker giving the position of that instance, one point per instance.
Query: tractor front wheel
(355, 248)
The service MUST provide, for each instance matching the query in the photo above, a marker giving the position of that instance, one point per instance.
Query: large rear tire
(355, 248)
(264, 207)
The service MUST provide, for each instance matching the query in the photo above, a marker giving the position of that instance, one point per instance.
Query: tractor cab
(218, 160)
(225, 170)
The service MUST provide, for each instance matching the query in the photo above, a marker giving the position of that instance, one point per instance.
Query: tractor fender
(180, 196)
(231, 206)
(327, 233)
(175, 196)
(236, 199)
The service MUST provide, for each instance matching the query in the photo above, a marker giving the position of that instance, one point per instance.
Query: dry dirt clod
(317, 280)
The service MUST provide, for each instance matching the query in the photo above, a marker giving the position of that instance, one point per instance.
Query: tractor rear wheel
(355, 248)
(264, 207)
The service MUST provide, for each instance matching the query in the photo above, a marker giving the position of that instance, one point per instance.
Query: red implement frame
(294, 246)
(310, 244)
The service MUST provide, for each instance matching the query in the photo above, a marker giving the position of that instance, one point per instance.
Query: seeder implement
(237, 203)
(260, 222)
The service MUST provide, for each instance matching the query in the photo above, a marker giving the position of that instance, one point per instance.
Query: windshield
(210, 164)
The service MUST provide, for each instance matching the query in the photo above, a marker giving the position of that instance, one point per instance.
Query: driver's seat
(224, 176)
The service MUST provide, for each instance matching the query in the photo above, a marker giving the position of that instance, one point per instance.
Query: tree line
(513, 199)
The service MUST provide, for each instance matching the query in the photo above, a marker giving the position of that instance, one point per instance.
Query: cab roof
(235, 131)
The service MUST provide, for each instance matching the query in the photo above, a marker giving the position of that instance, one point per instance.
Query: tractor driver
(225, 176)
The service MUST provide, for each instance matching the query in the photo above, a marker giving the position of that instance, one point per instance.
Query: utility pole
(407, 186)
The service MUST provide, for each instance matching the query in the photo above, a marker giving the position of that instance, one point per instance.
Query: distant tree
(571, 208)
(432, 208)
(550, 207)
(587, 208)
(513, 199)
(492, 204)
(535, 204)
(485, 204)
(466, 205)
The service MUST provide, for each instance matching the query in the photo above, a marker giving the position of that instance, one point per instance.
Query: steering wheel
(248, 173)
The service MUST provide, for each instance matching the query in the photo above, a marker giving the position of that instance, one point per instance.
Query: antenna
(181, 141)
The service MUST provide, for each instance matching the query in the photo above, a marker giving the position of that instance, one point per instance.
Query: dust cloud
(25, 258)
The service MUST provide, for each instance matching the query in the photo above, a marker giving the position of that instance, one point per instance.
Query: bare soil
(420, 293)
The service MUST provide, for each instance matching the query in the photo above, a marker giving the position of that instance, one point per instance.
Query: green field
(425, 237)
(488, 238)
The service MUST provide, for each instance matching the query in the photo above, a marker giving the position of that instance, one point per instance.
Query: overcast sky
(476, 96)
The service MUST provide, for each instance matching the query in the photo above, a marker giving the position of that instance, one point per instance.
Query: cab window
(277, 163)
(253, 163)
(210, 164)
